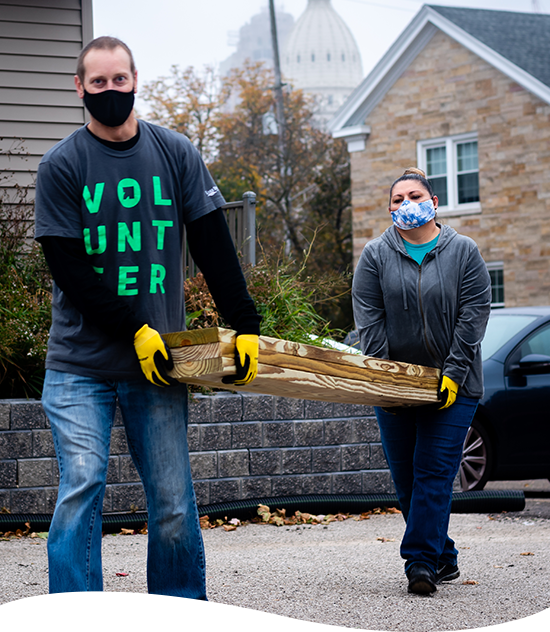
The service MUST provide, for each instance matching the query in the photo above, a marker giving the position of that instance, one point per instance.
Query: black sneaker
(446, 573)
(421, 580)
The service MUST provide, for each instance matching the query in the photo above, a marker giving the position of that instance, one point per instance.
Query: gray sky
(195, 32)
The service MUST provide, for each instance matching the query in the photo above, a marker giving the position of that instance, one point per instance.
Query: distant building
(321, 57)
(254, 40)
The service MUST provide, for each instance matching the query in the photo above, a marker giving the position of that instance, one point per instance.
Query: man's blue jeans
(81, 411)
(423, 447)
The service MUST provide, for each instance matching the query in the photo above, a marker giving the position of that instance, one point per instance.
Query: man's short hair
(105, 42)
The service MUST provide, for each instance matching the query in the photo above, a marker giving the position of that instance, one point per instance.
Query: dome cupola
(321, 57)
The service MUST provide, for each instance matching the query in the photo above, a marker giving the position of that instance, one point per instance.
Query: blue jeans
(423, 447)
(81, 411)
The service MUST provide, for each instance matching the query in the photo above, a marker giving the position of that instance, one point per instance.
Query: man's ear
(79, 87)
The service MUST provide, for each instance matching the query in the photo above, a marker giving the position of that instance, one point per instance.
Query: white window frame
(450, 143)
(497, 265)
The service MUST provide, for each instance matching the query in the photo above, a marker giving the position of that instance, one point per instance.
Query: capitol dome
(321, 57)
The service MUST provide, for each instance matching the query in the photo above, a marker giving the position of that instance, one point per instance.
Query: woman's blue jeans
(423, 447)
(81, 411)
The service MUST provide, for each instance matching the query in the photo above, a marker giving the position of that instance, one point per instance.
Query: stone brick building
(465, 95)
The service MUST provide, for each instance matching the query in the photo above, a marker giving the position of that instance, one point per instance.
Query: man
(111, 203)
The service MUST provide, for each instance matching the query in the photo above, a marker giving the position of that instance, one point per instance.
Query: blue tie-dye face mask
(412, 215)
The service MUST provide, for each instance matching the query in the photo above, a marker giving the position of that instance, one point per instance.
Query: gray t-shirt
(130, 208)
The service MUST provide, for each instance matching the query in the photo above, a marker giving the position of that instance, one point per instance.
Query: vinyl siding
(40, 41)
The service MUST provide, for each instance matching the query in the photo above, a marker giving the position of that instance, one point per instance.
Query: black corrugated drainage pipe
(490, 501)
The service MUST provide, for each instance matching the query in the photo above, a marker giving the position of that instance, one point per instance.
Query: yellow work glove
(246, 360)
(447, 392)
(154, 356)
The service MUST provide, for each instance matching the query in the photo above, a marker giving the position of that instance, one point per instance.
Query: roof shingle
(522, 38)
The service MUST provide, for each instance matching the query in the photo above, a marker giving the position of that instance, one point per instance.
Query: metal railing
(241, 219)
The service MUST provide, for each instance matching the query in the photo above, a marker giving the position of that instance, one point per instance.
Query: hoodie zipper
(428, 347)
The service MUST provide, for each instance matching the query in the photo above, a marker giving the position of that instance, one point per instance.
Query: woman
(422, 294)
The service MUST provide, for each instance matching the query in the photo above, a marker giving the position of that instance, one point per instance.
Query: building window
(496, 272)
(451, 165)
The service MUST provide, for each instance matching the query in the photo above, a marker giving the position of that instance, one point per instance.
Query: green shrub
(284, 295)
(25, 306)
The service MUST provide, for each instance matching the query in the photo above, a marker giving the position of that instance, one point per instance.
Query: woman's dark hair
(104, 42)
(413, 173)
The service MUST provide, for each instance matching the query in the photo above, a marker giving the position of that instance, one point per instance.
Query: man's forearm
(213, 251)
(74, 275)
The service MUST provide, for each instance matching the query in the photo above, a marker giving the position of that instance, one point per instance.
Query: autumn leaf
(127, 532)
(122, 574)
(229, 527)
(386, 539)
(527, 553)
(470, 582)
(264, 513)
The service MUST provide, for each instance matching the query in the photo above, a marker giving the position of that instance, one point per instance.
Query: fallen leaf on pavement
(122, 574)
(470, 582)
(229, 527)
(527, 553)
(386, 539)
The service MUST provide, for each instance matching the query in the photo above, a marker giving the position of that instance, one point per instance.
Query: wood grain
(304, 385)
(291, 369)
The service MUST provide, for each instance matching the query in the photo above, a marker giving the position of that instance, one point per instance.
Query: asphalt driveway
(346, 573)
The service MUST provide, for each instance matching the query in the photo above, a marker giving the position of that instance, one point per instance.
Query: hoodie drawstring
(402, 280)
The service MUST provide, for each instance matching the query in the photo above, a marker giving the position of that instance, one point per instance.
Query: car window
(500, 329)
(538, 343)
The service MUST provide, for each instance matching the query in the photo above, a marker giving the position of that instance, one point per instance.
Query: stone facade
(448, 90)
(241, 446)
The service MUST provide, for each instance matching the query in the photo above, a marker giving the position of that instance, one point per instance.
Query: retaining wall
(241, 446)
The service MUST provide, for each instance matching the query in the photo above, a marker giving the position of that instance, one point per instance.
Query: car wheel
(477, 459)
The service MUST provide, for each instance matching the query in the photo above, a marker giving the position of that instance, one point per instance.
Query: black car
(510, 436)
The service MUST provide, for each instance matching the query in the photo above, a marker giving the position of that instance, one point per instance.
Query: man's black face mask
(111, 107)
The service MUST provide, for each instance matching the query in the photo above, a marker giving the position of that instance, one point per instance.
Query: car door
(528, 406)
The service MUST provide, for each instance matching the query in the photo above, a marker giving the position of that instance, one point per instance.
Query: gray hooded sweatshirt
(433, 314)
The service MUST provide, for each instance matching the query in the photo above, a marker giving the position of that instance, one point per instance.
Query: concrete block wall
(241, 446)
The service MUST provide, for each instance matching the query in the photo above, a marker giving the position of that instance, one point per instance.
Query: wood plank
(303, 385)
(199, 337)
(210, 351)
(370, 369)
(319, 359)
(292, 369)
